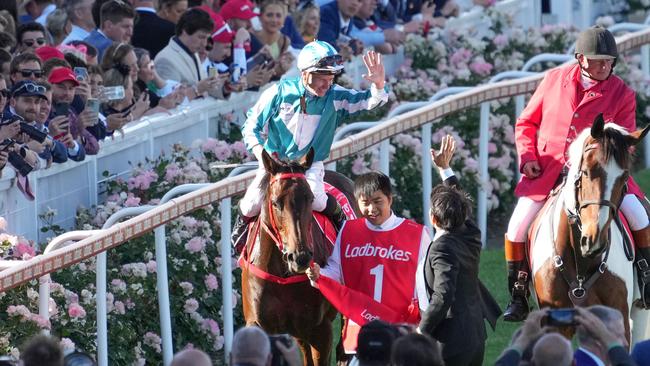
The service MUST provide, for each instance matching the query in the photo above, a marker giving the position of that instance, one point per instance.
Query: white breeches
(526, 210)
(251, 204)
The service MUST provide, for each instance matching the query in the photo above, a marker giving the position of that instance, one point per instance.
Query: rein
(272, 230)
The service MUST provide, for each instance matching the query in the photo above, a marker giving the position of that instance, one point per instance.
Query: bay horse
(276, 293)
(577, 253)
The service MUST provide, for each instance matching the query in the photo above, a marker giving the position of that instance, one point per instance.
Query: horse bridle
(273, 230)
(579, 286)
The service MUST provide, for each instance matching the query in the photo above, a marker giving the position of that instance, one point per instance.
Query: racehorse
(578, 252)
(276, 293)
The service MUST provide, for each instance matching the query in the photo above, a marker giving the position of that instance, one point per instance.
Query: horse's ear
(308, 159)
(598, 127)
(270, 165)
(638, 135)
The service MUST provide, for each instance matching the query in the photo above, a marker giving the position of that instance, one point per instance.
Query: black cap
(375, 341)
(28, 88)
(596, 43)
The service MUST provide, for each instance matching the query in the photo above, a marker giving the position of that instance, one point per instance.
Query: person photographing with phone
(64, 83)
(179, 60)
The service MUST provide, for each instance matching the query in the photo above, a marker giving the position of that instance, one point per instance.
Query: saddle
(323, 224)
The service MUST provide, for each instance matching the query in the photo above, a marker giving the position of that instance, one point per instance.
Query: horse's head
(287, 209)
(600, 162)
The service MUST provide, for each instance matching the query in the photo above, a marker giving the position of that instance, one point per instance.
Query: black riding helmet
(597, 43)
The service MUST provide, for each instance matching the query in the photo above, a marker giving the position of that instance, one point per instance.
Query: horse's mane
(614, 145)
(284, 167)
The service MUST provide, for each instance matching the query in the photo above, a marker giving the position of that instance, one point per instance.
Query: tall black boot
(518, 308)
(642, 262)
(240, 232)
(334, 211)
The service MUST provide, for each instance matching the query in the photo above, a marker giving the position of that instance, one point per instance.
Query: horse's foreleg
(321, 344)
(306, 352)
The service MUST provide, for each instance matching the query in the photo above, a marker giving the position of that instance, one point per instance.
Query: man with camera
(19, 118)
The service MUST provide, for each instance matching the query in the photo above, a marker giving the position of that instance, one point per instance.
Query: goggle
(31, 88)
(31, 42)
(329, 61)
(27, 73)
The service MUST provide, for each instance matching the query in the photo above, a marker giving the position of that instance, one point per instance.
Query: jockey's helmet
(321, 58)
(596, 43)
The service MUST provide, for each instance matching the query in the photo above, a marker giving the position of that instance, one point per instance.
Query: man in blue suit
(593, 350)
(116, 25)
(336, 23)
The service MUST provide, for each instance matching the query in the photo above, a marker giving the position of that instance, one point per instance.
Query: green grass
(493, 275)
(642, 178)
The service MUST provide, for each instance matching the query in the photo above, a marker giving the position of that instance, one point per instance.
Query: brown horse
(578, 255)
(276, 294)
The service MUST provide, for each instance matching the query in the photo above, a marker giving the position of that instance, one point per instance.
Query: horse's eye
(277, 205)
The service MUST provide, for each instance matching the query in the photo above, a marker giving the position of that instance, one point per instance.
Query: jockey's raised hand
(443, 158)
(375, 66)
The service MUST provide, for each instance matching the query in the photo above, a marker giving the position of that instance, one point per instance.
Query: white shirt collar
(390, 223)
(146, 8)
(344, 23)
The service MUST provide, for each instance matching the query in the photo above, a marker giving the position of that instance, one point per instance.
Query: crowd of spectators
(77, 71)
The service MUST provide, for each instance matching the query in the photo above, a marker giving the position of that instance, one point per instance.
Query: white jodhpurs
(522, 217)
(634, 212)
(251, 204)
(526, 210)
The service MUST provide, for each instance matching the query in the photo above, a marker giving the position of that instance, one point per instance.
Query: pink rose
(76, 311)
(211, 282)
(191, 305)
(195, 245)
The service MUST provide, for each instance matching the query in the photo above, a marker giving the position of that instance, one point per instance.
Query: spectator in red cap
(64, 83)
(219, 49)
(179, 61)
(238, 13)
(25, 66)
(47, 52)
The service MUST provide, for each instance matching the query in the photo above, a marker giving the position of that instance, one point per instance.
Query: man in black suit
(458, 302)
(150, 31)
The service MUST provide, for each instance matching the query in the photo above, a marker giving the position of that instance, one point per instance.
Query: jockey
(298, 114)
(566, 102)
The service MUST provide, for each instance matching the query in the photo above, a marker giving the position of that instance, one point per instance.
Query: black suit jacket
(152, 32)
(459, 303)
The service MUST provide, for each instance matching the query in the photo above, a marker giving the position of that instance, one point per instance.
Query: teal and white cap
(321, 58)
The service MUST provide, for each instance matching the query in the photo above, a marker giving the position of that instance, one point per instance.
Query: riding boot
(334, 211)
(518, 308)
(240, 232)
(642, 261)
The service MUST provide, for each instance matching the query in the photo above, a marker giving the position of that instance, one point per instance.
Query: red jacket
(554, 117)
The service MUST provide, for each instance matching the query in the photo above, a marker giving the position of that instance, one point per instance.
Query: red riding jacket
(557, 112)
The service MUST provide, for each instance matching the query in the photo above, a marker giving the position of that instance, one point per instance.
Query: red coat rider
(566, 102)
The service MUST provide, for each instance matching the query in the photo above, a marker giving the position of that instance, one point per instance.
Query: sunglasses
(31, 42)
(27, 73)
(329, 61)
(31, 88)
(4, 93)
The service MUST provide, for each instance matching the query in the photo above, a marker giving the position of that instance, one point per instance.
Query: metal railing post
(427, 178)
(162, 284)
(483, 171)
(226, 263)
(384, 158)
